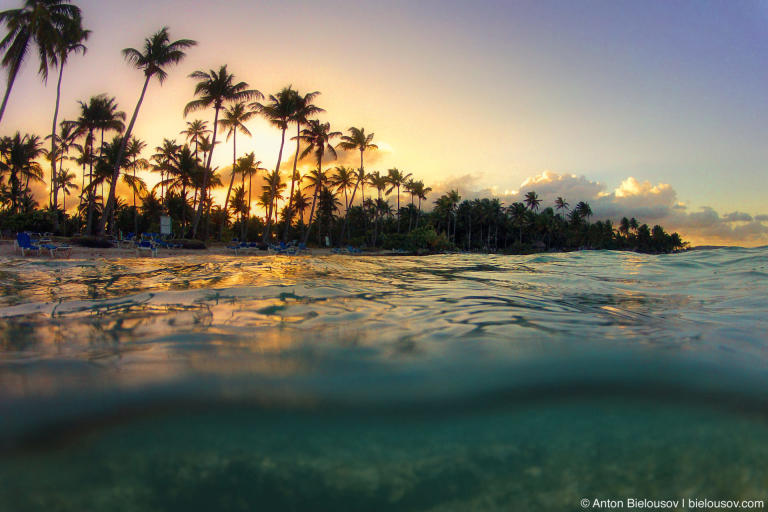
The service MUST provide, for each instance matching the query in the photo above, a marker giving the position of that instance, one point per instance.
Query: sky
(653, 109)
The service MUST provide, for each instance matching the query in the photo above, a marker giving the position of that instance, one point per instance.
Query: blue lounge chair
(25, 245)
(146, 245)
(64, 251)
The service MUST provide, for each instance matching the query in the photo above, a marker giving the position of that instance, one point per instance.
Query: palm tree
(519, 215)
(396, 179)
(213, 89)
(133, 150)
(583, 210)
(65, 136)
(274, 187)
(72, 40)
(342, 180)
(66, 182)
(158, 52)
(181, 167)
(303, 110)
(99, 113)
(317, 136)
(49, 24)
(532, 201)
(561, 204)
(317, 179)
(357, 139)
(19, 161)
(279, 112)
(195, 132)
(624, 226)
(234, 120)
(107, 117)
(421, 193)
(163, 157)
(300, 203)
(249, 166)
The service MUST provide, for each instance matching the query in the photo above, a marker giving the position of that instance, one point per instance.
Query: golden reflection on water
(129, 321)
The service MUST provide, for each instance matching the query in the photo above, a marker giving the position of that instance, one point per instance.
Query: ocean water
(446, 382)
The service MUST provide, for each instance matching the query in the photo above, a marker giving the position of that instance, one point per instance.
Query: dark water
(461, 382)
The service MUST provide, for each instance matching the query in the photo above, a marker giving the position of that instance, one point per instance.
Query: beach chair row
(346, 250)
(291, 248)
(27, 244)
(149, 242)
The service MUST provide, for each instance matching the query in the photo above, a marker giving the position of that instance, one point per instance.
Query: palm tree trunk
(116, 173)
(231, 180)
(91, 198)
(289, 220)
(204, 187)
(354, 191)
(314, 200)
(54, 187)
(398, 208)
(268, 227)
(295, 163)
(135, 215)
(248, 209)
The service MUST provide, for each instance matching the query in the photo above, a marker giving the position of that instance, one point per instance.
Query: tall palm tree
(181, 167)
(47, 24)
(66, 137)
(421, 193)
(106, 118)
(274, 186)
(66, 182)
(358, 140)
(249, 166)
(213, 89)
(234, 121)
(532, 200)
(317, 180)
(279, 111)
(158, 53)
(19, 161)
(133, 150)
(304, 110)
(342, 180)
(519, 215)
(165, 153)
(317, 136)
(195, 132)
(379, 182)
(583, 210)
(397, 179)
(73, 37)
(561, 204)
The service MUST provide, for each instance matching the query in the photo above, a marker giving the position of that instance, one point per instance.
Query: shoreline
(113, 253)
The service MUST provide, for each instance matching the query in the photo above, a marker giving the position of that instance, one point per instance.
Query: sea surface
(446, 382)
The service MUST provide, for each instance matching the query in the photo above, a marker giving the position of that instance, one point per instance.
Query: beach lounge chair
(146, 245)
(240, 247)
(62, 251)
(25, 246)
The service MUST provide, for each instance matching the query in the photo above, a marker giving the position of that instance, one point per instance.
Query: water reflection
(277, 315)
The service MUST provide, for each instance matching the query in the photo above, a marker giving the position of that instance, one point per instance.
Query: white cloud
(648, 202)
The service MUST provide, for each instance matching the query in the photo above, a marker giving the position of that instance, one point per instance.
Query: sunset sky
(657, 109)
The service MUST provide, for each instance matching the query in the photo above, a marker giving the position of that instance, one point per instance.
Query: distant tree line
(86, 157)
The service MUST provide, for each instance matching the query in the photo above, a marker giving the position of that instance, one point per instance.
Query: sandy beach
(7, 250)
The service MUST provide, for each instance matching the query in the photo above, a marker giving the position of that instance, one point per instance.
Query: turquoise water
(447, 382)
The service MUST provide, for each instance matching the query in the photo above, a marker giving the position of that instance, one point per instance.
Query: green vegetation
(324, 205)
